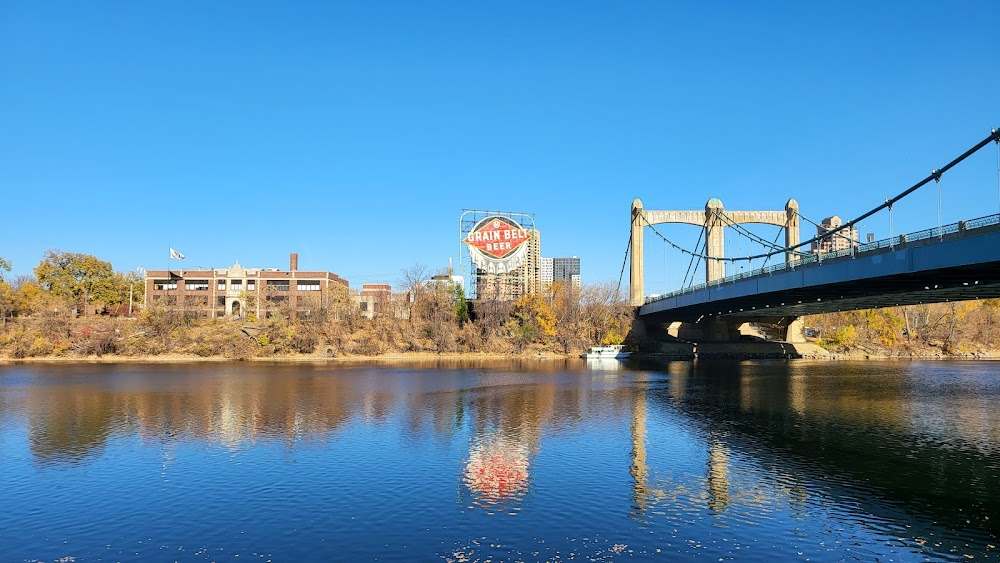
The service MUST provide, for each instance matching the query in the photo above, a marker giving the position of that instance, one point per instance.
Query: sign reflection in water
(549, 460)
(497, 471)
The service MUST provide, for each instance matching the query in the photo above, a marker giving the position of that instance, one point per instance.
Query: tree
(81, 277)
(31, 300)
(532, 319)
(413, 281)
(606, 316)
(6, 295)
(461, 305)
(565, 300)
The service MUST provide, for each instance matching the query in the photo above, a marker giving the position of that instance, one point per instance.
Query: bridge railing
(819, 258)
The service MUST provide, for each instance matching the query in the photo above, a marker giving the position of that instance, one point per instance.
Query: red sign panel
(497, 237)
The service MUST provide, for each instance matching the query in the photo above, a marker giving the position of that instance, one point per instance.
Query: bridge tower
(713, 219)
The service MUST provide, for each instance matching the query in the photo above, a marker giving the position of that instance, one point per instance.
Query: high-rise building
(523, 280)
(841, 240)
(566, 270)
(546, 274)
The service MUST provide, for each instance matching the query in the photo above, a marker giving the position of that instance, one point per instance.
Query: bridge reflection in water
(916, 449)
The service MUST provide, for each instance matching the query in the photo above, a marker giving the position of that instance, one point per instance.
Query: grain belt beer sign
(497, 244)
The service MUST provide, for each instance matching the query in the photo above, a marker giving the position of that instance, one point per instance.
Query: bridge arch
(713, 219)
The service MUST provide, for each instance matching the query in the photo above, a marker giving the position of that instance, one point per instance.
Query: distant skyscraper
(841, 240)
(566, 270)
(546, 273)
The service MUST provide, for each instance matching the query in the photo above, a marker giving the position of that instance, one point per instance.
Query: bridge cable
(674, 244)
(889, 202)
(995, 133)
(694, 272)
(701, 233)
(700, 255)
(628, 246)
(937, 181)
(754, 237)
(666, 284)
(935, 175)
(776, 237)
(730, 222)
(994, 136)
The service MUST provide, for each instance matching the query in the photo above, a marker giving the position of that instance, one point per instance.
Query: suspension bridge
(828, 273)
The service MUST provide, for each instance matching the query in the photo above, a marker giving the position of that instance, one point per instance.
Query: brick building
(237, 291)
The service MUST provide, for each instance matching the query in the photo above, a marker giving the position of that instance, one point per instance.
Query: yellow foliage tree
(533, 318)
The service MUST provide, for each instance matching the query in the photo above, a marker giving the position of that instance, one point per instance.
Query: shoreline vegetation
(39, 322)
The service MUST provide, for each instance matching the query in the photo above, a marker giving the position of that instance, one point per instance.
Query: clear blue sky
(355, 132)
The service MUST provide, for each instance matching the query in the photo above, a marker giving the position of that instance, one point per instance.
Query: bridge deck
(960, 265)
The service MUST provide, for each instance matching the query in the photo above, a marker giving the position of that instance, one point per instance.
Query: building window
(364, 306)
(278, 299)
(236, 285)
(222, 285)
(196, 285)
(251, 285)
(308, 285)
(277, 285)
(164, 285)
(220, 300)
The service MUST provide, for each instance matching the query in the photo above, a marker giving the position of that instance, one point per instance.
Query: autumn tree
(6, 294)
(564, 298)
(81, 277)
(532, 320)
(606, 317)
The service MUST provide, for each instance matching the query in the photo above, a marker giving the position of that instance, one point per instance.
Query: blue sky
(354, 133)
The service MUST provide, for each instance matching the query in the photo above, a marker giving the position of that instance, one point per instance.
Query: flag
(177, 255)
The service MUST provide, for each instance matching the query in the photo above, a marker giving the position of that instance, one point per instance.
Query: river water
(508, 461)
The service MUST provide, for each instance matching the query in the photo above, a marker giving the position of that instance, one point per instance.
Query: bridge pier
(795, 330)
(720, 329)
(712, 329)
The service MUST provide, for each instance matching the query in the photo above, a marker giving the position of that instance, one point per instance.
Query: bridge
(955, 262)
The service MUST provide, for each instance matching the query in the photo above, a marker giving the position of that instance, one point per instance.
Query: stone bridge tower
(713, 219)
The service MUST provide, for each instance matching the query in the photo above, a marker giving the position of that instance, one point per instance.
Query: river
(501, 461)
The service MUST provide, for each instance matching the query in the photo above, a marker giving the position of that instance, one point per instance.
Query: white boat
(602, 352)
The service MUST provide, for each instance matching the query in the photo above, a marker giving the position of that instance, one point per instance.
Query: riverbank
(404, 357)
(669, 351)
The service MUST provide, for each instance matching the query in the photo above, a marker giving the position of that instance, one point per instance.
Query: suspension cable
(936, 174)
(752, 236)
(697, 243)
(937, 181)
(996, 135)
(704, 247)
(624, 262)
(775, 242)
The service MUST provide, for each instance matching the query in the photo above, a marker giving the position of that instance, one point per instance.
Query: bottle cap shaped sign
(497, 244)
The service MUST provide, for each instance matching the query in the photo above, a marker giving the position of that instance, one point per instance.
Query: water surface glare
(501, 461)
